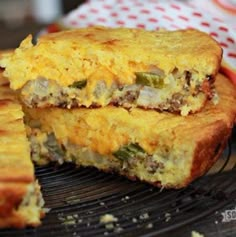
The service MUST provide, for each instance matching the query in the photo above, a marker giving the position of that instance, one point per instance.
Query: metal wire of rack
(79, 197)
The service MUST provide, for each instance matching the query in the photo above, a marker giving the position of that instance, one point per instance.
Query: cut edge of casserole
(163, 149)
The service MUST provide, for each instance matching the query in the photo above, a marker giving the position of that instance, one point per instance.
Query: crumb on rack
(110, 223)
(125, 199)
(167, 216)
(108, 218)
(149, 226)
(196, 234)
(144, 216)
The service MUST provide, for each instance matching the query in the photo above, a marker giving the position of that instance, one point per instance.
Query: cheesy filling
(152, 90)
(31, 207)
(130, 160)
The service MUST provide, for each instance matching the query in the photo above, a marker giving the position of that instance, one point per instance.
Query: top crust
(74, 55)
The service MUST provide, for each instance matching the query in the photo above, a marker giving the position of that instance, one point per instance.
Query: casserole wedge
(20, 197)
(99, 66)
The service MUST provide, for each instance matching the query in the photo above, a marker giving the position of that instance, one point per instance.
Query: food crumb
(109, 226)
(75, 234)
(118, 229)
(110, 223)
(161, 189)
(72, 200)
(149, 226)
(196, 234)
(144, 216)
(46, 210)
(108, 218)
(134, 220)
(68, 220)
(167, 216)
(126, 198)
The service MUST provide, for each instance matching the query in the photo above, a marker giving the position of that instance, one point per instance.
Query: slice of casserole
(97, 66)
(163, 149)
(20, 198)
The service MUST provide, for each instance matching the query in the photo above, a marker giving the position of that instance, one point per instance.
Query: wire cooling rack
(79, 197)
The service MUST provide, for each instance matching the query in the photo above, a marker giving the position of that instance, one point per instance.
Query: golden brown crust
(208, 151)
(213, 138)
(11, 194)
(15, 152)
(119, 52)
